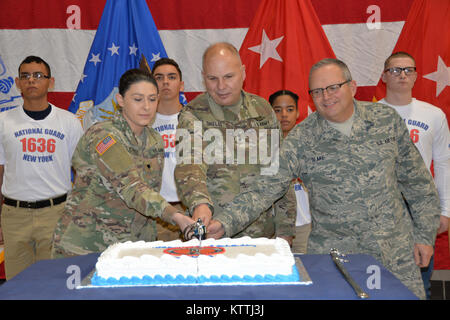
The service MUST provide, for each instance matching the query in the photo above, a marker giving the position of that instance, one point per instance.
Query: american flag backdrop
(362, 33)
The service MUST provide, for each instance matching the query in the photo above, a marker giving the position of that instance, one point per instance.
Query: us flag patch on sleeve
(105, 144)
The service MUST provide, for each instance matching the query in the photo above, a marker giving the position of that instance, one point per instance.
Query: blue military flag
(125, 35)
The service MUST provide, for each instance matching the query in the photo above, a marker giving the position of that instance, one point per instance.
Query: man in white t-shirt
(168, 76)
(36, 146)
(428, 129)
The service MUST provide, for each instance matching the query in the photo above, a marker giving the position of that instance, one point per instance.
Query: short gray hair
(327, 61)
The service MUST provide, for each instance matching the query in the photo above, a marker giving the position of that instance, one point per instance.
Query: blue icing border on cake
(181, 280)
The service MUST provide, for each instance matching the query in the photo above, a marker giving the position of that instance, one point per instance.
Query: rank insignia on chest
(105, 144)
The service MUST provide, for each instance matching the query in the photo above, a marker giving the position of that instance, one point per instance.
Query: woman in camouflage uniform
(118, 167)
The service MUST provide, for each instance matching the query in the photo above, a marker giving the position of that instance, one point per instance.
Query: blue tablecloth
(54, 279)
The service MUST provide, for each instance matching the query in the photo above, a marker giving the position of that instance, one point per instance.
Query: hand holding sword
(195, 230)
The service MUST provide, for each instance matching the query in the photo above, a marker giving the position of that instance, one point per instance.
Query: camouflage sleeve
(247, 206)
(119, 172)
(417, 186)
(285, 208)
(286, 213)
(190, 172)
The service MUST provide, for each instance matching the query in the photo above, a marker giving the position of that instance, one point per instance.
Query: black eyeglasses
(331, 89)
(35, 75)
(396, 71)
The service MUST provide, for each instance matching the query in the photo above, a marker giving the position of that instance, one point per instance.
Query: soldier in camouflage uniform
(205, 186)
(118, 167)
(357, 176)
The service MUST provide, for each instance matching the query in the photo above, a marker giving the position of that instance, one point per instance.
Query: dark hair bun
(133, 76)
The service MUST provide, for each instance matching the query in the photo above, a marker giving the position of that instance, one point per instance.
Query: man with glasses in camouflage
(36, 146)
(356, 160)
(428, 128)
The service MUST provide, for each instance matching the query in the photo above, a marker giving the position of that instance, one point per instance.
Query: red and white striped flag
(361, 33)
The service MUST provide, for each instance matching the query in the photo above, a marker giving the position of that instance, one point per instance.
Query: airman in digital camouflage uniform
(118, 167)
(205, 186)
(358, 162)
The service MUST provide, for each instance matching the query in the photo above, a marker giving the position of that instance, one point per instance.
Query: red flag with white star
(425, 36)
(284, 40)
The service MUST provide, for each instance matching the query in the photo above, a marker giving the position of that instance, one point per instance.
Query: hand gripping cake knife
(338, 262)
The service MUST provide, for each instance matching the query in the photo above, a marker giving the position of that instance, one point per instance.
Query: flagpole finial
(143, 65)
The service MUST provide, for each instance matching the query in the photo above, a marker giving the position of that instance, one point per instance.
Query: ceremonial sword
(195, 230)
(338, 262)
(199, 233)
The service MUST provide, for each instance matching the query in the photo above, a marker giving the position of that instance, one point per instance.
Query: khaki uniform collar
(361, 122)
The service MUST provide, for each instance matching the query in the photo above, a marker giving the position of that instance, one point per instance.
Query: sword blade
(359, 292)
(198, 256)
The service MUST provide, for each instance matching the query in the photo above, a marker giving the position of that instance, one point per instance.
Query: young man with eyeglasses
(428, 129)
(356, 159)
(36, 146)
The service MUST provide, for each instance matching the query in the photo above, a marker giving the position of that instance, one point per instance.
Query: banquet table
(58, 279)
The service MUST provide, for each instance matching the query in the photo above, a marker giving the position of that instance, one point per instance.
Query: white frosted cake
(226, 261)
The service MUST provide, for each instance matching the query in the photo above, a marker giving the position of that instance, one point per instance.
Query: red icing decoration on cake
(194, 251)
